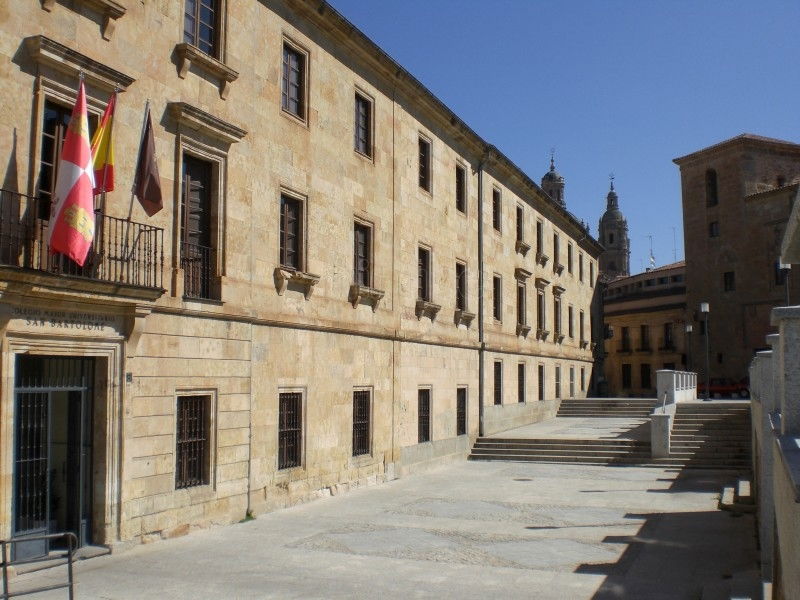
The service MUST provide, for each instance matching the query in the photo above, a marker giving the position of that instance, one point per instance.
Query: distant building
(645, 320)
(737, 196)
(613, 235)
(553, 184)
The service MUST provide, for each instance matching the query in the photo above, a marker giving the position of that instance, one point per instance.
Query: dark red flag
(148, 184)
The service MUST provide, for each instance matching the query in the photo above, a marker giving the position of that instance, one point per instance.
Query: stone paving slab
(583, 428)
(470, 530)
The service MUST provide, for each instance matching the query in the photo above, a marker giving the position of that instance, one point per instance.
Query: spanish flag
(103, 150)
(72, 221)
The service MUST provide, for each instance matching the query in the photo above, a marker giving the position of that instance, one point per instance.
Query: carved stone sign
(63, 321)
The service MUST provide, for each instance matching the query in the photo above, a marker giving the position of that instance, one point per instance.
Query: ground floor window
(290, 429)
(461, 411)
(558, 382)
(361, 422)
(541, 382)
(498, 382)
(521, 382)
(645, 373)
(192, 441)
(626, 376)
(424, 415)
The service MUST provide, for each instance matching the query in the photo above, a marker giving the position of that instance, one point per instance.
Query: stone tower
(553, 184)
(613, 235)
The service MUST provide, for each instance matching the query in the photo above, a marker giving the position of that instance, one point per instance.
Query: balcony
(200, 280)
(122, 253)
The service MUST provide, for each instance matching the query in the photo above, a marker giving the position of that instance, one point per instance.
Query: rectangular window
(363, 125)
(644, 337)
(293, 82)
(425, 164)
(583, 379)
(572, 382)
(626, 339)
(669, 342)
(521, 309)
(539, 238)
(291, 233)
(461, 411)
(424, 274)
(713, 229)
(290, 429)
(520, 224)
(557, 314)
(461, 286)
(541, 382)
(728, 281)
(581, 320)
(497, 210)
(461, 188)
(497, 297)
(626, 376)
(498, 382)
(362, 267)
(200, 18)
(423, 415)
(198, 258)
(556, 258)
(558, 382)
(192, 441)
(521, 382)
(540, 318)
(569, 258)
(361, 422)
(580, 267)
(645, 373)
(591, 274)
(571, 322)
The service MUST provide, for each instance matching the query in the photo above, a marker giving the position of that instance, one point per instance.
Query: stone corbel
(584, 344)
(523, 330)
(305, 280)
(521, 274)
(522, 247)
(558, 290)
(135, 327)
(541, 283)
(370, 295)
(559, 338)
(463, 317)
(558, 268)
(542, 258)
(423, 308)
(188, 55)
(541, 334)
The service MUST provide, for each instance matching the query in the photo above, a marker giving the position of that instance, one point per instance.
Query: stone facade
(737, 196)
(613, 235)
(254, 329)
(647, 314)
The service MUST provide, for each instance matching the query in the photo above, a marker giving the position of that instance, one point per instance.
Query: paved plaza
(469, 530)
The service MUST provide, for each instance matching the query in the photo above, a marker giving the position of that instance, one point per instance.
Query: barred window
(521, 382)
(192, 444)
(461, 411)
(290, 429)
(424, 415)
(498, 382)
(541, 382)
(361, 422)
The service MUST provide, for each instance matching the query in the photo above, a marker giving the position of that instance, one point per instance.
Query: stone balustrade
(680, 386)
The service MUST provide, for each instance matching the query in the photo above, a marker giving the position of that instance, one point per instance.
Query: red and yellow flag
(72, 220)
(103, 150)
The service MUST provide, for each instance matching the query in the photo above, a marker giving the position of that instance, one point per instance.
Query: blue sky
(615, 86)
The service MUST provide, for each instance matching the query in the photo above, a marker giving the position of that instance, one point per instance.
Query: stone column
(787, 319)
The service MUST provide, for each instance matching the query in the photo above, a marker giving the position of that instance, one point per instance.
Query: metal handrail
(72, 544)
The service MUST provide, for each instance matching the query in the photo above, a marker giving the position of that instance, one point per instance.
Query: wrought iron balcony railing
(199, 271)
(122, 251)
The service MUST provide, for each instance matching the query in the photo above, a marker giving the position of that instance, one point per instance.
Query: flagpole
(136, 172)
(101, 211)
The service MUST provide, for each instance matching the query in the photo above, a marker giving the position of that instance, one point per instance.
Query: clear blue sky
(615, 86)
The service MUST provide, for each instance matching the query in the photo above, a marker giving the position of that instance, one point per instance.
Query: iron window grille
(291, 233)
(521, 382)
(290, 430)
(293, 84)
(424, 415)
(192, 441)
(498, 382)
(363, 125)
(461, 411)
(361, 422)
(541, 382)
(200, 24)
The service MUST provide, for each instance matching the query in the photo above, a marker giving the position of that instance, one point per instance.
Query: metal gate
(53, 450)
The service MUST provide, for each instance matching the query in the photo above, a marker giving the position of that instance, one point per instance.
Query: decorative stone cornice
(523, 330)
(50, 53)
(521, 274)
(199, 120)
(188, 55)
(558, 290)
(522, 247)
(541, 283)
(463, 317)
(306, 281)
(541, 334)
(424, 308)
(542, 258)
(369, 295)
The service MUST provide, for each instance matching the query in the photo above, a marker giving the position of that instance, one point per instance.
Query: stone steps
(622, 408)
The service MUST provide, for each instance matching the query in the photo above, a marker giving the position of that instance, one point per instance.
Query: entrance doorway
(52, 450)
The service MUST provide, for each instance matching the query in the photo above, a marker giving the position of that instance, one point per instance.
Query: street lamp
(704, 309)
(688, 346)
(785, 268)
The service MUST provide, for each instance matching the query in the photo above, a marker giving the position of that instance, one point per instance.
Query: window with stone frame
(521, 382)
(461, 188)
(461, 286)
(497, 297)
(556, 252)
(644, 372)
(540, 310)
(362, 254)
(361, 422)
(198, 248)
(363, 125)
(498, 382)
(291, 233)
(290, 430)
(591, 274)
(497, 210)
(423, 415)
(461, 411)
(557, 314)
(522, 317)
(558, 382)
(201, 19)
(712, 196)
(541, 383)
(580, 267)
(571, 322)
(569, 258)
(713, 229)
(581, 327)
(539, 237)
(520, 224)
(423, 274)
(294, 81)
(425, 164)
(192, 441)
(644, 337)
(729, 281)
(626, 376)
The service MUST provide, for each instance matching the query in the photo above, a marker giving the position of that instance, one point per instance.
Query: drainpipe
(481, 342)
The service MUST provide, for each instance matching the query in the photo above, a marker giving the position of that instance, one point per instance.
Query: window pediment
(50, 53)
(109, 9)
(188, 55)
(194, 118)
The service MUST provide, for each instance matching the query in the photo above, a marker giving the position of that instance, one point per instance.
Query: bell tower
(613, 235)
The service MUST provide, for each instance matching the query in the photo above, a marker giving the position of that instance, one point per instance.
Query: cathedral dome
(552, 174)
(613, 214)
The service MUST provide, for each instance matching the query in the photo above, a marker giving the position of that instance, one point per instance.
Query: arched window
(711, 188)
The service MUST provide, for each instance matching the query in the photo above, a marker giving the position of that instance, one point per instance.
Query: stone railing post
(787, 318)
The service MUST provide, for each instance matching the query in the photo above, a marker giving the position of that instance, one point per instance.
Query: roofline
(741, 139)
(322, 12)
(793, 187)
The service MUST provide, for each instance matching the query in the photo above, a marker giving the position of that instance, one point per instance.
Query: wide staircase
(704, 436)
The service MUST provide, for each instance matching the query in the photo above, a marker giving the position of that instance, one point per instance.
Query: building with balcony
(644, 316)
(340, 289)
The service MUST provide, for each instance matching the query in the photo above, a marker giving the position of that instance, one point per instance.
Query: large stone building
(737, 197)
(647, 314)
(346, 282)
